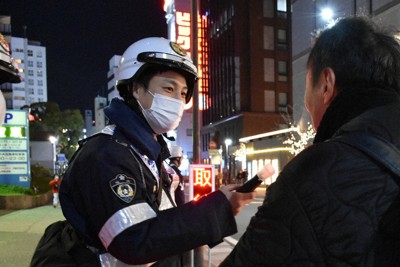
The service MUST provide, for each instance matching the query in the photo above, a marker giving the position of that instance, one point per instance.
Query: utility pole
(198, 258)
(196, 112)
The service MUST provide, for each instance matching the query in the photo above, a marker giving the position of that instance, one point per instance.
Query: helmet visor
(168, 60)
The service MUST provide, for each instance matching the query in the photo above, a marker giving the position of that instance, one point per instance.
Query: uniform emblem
(124, 187)
(178, 49)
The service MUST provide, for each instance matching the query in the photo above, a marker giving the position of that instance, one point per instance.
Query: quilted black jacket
(327, 203)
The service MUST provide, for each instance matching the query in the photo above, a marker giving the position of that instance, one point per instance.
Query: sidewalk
(21, 230)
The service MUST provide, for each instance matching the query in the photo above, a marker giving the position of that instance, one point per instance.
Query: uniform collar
(134, 128)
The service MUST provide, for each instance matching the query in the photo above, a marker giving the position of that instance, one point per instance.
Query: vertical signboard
(183, 19)
(14, 149)
(201, 180)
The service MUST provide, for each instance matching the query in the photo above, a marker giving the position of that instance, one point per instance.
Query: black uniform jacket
(111, 196)
(326, 206)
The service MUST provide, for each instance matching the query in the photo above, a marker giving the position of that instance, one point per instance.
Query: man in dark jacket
(330, 205)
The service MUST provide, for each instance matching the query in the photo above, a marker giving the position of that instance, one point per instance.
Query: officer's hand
(236, 199)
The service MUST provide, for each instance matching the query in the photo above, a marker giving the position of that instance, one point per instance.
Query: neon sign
(183, 21)
(202, 180)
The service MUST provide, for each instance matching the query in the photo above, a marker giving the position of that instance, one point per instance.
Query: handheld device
(254, 182)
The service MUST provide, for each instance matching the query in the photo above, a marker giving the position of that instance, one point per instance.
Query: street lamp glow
(53, 140)
(327, 14)
(228, 142)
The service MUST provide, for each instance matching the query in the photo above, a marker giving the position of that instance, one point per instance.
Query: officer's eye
(184, 94)
(169, 89)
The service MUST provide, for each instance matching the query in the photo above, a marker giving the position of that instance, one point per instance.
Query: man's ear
(330, 90)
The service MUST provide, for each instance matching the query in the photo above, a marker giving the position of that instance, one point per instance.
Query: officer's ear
(137, 90)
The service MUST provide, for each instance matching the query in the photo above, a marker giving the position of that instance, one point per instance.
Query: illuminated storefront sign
(183, 21)
(14, 149)
(201, 180)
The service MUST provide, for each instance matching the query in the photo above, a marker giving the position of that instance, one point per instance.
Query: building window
(40, 91)
(269, 101)
(40, 82)
(282, 39)
(281, 8)
(269, 70)
(30, 63)
(30, 72)
(31, 91)
(282, 71)
(39, 54)
(268, 8)
(40, 73)
(282, 102)
(39, 64)
(30, 82)
(268, 38)
(30, 53)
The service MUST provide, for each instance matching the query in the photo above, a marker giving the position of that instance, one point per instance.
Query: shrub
(40, 178)
(14, 190)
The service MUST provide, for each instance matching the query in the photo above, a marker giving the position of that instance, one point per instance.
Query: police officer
(115, 192)
(175, 161)
(8, 72)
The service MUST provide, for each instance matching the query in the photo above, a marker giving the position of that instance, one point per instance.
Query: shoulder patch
(123, 187)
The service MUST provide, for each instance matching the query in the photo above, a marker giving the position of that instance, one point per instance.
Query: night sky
(80, 37)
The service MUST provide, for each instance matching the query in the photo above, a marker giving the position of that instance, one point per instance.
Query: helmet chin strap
(170, 138)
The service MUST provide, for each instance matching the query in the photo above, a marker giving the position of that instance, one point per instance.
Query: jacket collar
(348, 105)
(135, 129)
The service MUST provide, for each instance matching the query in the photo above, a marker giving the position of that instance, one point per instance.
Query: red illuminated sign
(183, 20)
(202, 180)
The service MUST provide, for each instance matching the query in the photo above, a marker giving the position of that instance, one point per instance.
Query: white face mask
(164, 114)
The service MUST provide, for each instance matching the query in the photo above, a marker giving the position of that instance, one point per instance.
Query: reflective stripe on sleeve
(124, 219)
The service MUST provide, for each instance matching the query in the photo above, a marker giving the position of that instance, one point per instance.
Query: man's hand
(237, 200)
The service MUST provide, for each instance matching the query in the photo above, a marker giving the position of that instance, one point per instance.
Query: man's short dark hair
(362, 55)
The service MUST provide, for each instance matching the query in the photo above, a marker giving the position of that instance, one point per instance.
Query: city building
(111, 79)
(307, 18)
(31, 59)
(243, 55)
(248, 88)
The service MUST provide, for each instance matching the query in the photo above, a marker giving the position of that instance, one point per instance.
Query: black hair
(361, 54)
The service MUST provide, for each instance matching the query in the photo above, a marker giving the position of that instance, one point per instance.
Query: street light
(327, 14)
(228, 142)
(53, 141)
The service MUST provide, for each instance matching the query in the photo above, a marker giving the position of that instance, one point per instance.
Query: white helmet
(152, 51)
(8, 72)
(176, 151)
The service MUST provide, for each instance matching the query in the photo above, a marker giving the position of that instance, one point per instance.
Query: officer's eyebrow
(174, 81)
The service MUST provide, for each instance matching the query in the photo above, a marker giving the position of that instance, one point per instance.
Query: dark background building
(248, 51)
